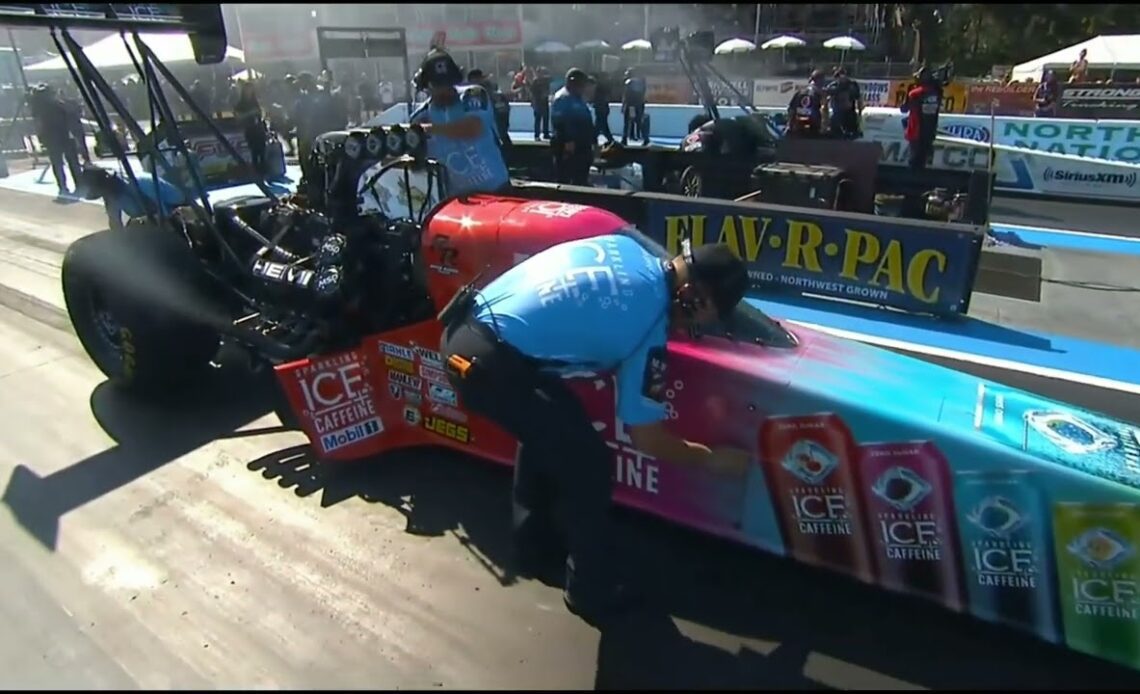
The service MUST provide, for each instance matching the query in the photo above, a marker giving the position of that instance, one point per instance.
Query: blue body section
(596, 304)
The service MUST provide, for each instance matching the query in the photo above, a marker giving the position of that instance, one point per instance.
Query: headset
(438, 67)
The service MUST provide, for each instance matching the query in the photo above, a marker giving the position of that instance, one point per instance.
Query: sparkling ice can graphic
(809, 464)
(1098, 568)
(910, 517)
(1003, 521)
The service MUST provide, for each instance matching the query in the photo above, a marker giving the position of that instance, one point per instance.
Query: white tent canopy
(111, 52)
(1119, 52)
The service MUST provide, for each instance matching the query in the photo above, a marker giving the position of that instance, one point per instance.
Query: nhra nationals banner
(1014, 99)
(1100, 101)
(953, 95)
(909, 265)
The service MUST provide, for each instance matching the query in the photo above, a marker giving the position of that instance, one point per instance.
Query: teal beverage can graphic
(1004, 526)
(1077, 439)
(1098, 575)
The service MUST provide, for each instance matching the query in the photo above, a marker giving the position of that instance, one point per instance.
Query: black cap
(720, 273)
(439, 68)
(577, 75)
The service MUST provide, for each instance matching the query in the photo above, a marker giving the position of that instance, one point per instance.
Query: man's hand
(730, 462)
(568, 147)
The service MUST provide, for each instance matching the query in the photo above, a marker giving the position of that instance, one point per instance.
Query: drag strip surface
(199, 545)
(1096, 218)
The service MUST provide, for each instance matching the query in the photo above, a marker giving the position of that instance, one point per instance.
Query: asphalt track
(199, 546)
(1098, 218)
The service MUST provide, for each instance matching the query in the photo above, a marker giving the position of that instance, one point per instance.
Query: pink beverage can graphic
(910, 516)
(809, 463)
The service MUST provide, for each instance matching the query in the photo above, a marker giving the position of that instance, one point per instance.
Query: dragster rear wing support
(203, 22)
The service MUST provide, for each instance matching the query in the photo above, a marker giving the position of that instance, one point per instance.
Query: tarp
(110, 52)
(1104, 52)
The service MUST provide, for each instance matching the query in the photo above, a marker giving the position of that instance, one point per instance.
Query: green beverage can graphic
(1098, 573)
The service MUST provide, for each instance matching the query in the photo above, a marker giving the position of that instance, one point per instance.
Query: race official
(603, 305)
(460, 122)
(922, 107)
(573, 143)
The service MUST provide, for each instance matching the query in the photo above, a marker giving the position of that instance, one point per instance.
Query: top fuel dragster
(900, 473)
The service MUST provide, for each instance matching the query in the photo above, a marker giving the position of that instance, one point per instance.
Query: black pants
(633, 117)
(503, 125)
(921, 151)
(563, 484)
(59, 151)
(602, 123)
(845, 124)
(573, 169)
(542, 118)
(257, 139)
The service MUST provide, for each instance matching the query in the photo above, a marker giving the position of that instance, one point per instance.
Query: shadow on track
(718, 615)
(148, 436)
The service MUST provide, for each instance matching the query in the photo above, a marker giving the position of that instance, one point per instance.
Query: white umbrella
(637, 45)
(783, 42)
(594, 45)
(735, 46)
(844, 43)
(552, 47)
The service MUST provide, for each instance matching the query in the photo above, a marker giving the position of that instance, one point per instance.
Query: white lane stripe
(1066, 232)
(1004, 364)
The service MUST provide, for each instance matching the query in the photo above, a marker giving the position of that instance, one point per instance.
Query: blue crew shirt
(597, 304)
(571, 119)
(473, 166)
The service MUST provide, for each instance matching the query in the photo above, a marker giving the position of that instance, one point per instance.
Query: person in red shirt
(922, 106)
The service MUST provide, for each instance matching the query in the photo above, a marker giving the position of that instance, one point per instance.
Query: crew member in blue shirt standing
(601, 304)
(573, 143)
(460, 123)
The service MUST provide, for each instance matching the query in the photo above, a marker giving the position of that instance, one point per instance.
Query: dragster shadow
(718, 615)
(147, 437)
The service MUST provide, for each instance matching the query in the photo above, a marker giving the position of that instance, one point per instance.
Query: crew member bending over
(603, 304)
(461, 127)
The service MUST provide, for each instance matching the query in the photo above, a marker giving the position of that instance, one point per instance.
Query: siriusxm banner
(903, 264)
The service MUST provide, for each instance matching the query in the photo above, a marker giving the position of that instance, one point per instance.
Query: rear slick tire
(142, 346)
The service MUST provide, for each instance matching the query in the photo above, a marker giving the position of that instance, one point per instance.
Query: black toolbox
(801, 185)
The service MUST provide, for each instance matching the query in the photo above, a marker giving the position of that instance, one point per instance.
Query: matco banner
(1005, 99)
(1099, 101)
(904, 264)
